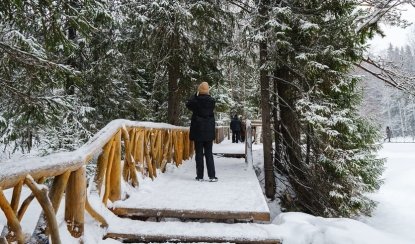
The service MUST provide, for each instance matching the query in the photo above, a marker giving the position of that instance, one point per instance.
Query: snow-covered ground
(395, 212)
(392, 222)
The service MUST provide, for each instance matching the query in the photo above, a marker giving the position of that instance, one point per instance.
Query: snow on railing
(143, 146)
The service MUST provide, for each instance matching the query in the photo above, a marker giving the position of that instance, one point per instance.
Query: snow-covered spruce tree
(110, 87)
(62, 71)
(240, 93)
(328, 154)
(32, 74)
(176, 44)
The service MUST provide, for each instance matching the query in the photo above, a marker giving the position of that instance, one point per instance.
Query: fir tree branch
(14, 90)
(34, 60)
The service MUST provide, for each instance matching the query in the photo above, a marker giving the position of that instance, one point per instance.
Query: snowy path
(237, 190)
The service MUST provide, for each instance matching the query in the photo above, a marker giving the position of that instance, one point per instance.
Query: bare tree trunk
(265, 106)
(173, 86)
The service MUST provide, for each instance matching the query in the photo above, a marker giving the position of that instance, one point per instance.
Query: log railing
(221, 133)
(121, 150)
(248, 144)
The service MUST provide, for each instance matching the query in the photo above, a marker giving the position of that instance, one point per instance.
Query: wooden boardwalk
(183, 232)
(128, 182)
(236, 196)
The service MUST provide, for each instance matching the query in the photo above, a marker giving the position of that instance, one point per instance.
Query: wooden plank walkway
(176, 194)
(237, 194)
(194, 232)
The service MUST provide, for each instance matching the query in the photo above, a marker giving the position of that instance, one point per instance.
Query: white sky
(395, 35)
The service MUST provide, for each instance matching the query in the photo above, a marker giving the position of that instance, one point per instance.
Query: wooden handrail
(248, 144)
(57, 163)
(147, 147)
(220, 133)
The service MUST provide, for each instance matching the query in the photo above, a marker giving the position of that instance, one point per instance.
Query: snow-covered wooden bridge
(129, 196)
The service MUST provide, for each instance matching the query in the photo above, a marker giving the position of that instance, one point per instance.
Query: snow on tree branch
(385, 10)
(34, 60)
(389, 74)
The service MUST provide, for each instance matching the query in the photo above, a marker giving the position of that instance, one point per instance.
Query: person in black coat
(202, 130)
(236, 129)
(388, 134)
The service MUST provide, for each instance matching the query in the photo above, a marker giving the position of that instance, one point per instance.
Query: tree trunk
(265, 106)
(173, 86)
(277, 127)
(290, 124)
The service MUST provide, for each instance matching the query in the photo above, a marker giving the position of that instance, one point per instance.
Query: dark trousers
(236, 136)
(204, 148)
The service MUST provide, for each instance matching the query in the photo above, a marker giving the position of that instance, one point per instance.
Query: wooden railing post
(248, 144)
(102, 163)
(17, 190)
(56, 193)
(41, 195)
(115, 176)
(12, 220)
(75, 202)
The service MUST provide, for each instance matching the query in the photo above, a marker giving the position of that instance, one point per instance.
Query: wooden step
(230, 155)
(182, 232)
(191, 214)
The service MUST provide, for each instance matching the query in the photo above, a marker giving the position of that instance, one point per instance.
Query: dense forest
(69, 67)
(386, 105)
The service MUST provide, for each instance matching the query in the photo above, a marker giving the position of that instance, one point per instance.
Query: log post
(147, 152)
(115, 176)
(153, 151)
(180, 147)
(129, 172)
(17, 190)
(170, 148)
(24, 206)
(192, 148)
(55, 196)
(102, 165)
(12, 221)
(108, 172)
(185, 146)
(75, 202)
(41, 195)
(95, 214)
(166, 150)
(140, 146)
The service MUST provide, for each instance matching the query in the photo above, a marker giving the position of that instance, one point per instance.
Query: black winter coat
(202, 126)
(235, 124)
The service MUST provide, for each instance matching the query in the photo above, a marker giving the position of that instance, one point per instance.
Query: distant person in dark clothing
(236, 129)
(243, 130)
(388, 134)
(202, 130)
